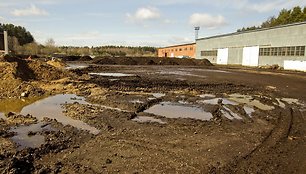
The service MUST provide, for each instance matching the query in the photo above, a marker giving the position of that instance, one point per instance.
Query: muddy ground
(272, 139)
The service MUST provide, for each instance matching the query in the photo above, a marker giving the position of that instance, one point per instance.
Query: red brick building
(179, 51)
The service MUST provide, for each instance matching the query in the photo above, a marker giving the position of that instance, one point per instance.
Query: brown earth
(271, 141)
(150, 61)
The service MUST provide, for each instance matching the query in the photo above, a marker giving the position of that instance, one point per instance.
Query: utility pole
(6, 50)
(196, 32)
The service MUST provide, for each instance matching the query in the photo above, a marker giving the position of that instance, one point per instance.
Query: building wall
(188, 50)
(284, 36)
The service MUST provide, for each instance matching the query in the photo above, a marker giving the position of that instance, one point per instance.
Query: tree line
(20, 33)
(294, 15)
(21, 41)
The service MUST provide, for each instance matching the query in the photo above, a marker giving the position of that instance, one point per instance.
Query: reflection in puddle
(248, 110)
(144, 119)
(280, 103)
(207, 96)
(292, 101)
(76, 66)
(2, 116)
(250, 101)
(176, 110)
(112, 74)
(180, 73)
(158, 95)
(137, 101)
(215, 101)
(51, 107)
(230, 114)
(16, 105)
(23, 139)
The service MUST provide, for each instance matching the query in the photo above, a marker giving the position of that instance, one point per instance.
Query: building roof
(251, 31)
(178, 45)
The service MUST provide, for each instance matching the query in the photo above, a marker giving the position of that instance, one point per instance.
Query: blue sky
(135, 22)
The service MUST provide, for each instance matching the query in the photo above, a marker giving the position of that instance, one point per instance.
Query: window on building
(175, 49)
(283, 51)
(186, 49)
(209, 53)
(180, 49)
(191, 48)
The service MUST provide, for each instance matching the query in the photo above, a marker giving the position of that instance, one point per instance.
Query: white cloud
(268, 6)
(85, 36)
(144, 14)
(207, 20)
(178, 40)
(30, 11)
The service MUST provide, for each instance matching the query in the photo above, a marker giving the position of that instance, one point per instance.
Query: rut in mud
(226, 121)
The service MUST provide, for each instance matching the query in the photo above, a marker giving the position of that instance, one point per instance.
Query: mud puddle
(177, 110)
(145, 119)
(2, 116)
(76, 66)
(179, 73)
(112, 74)
(30, 136)
(158, 95)
(250, 101)
(229, 114)
(216, 101)
(51, 107)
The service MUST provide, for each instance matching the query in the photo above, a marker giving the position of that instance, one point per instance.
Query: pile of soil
(150, 61)
(16, 75)
(76, 58)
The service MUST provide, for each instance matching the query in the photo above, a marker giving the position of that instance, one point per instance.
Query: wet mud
(161, 119)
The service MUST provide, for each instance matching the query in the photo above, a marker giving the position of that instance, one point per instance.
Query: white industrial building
(282, 45)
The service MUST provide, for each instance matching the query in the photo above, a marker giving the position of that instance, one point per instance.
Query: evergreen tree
(284, 17)
(23, 36)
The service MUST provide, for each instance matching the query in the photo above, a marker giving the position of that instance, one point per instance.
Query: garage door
(222, 57)
(250, 56)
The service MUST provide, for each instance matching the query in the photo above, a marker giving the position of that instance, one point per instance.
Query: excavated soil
(256, 119)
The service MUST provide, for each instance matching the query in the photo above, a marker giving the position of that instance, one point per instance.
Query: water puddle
(28, 136)
(158, 95)
(215, 101)
(177, 110)
(51, 107)
(250, 101)
(207, 96)
(16, 105)
(144, 119)
(137, 101)
(228, 113)
(2, 116)
(248, 110)
(113, 74)
(280, 103)
(76, 66)
(205, 70)
(292, 101)
(180, 73)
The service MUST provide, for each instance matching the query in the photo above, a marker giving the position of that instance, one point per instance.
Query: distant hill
(297, 14)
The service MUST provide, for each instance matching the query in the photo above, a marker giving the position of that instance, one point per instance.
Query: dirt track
(271, 141)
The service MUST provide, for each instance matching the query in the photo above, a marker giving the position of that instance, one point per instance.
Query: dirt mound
(150, 61)
(17, 74)
(76, 58)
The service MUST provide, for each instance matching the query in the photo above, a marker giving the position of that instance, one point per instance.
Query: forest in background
(21, 41)
(294, 15)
